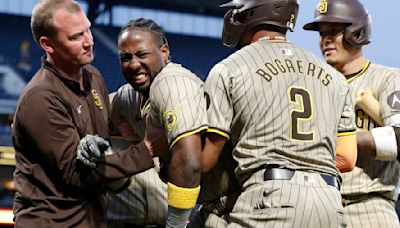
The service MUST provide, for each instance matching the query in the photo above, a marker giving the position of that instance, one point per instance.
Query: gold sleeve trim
(346, 133)
(187, 134)
(212, 130)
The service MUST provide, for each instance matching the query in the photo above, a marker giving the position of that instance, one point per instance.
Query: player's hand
(155, 139)
(90, 149)
(370, 105)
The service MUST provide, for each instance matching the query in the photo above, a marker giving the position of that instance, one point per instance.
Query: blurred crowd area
(20, 59)
(196, 48)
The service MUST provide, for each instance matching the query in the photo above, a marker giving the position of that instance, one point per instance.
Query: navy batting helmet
(247, 14)
(350, 12)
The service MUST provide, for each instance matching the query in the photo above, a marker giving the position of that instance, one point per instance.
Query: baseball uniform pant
(206, 218)
(305, 200)
(214, 213)
(370, 211)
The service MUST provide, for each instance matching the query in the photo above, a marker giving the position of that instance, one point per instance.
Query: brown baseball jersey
(372, 177)
(144, 202)
(281, 105)
(177, 103)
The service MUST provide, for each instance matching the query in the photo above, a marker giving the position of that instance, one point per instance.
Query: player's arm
(183, 179)
(212, 150)
(220, 114)
(183, 118)
(381, 143)
(346, 147)
(366, 144)
(184, 167)
(346, 152)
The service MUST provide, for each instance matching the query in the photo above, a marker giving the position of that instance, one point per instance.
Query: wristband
(182, 198)
(385, 143)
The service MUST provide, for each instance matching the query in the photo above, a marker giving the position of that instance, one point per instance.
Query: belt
(287, 174)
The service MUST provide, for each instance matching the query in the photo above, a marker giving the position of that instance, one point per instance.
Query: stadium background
(193, 29)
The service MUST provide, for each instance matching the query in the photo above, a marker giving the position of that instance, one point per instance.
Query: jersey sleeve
(220, 109)
(177, 104)
(347, 124)
(389, 99)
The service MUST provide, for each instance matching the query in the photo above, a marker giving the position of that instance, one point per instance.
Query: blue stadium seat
(196, 53)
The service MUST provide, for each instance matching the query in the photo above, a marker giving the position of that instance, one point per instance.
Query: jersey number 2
(300, 97)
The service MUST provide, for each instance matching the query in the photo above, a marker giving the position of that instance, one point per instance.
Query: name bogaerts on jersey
(294, 66)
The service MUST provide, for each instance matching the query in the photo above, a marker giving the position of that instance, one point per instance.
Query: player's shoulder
(320, 64)
(378, 66)
(383, 70)
(125, 94)
(176, 72)
(232, 63)
(126, 88)
(239, 55)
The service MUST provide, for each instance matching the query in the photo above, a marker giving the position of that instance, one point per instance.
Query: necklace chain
(272, 38)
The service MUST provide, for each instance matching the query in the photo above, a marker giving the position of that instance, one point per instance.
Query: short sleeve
(220, 109)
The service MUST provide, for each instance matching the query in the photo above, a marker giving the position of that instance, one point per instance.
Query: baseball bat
(370, 105)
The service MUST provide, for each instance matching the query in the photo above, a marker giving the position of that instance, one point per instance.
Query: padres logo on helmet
(353, 13)
(323, 6)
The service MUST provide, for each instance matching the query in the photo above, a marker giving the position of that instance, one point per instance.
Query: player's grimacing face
(141, 58)
(335, 50)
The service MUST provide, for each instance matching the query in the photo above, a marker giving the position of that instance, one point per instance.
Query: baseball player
(369, 191)
(274, 101)
(144, 202)
(177, 104)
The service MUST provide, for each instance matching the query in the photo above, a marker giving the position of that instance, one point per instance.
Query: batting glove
(90, 149)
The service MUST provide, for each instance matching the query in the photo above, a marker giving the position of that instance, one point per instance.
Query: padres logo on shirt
(170, 119)
(97, 99)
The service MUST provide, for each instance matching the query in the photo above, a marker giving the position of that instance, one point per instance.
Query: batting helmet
(247, 14)
(350, 12)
